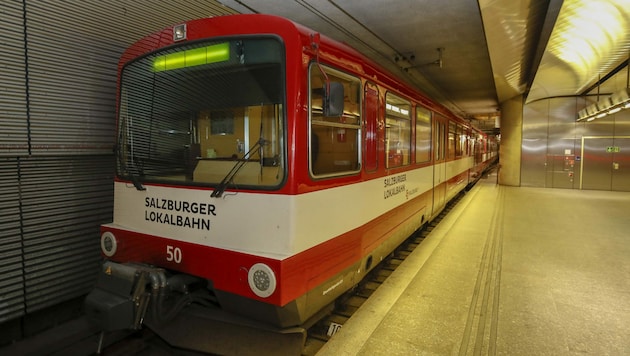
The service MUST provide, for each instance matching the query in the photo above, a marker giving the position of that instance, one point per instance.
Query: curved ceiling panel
(590, 39)
(513, 31)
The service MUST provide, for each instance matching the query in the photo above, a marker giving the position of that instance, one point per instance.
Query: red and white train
(266, 168)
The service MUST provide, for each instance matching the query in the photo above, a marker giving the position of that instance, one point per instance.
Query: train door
(439, 168)
(370, 117)
(605, 163)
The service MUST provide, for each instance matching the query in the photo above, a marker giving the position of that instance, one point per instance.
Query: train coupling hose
(122, 293)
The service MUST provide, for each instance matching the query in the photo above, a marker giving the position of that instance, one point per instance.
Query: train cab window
(397, 131)
(334, 141)
(423, 135)
(189, 122)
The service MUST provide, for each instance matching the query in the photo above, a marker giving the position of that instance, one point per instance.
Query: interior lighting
(192, 57)
(588, 44)
(616, 102)
(592, 34)
(397, 109)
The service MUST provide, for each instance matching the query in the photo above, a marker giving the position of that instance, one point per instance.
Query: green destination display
(192, 57)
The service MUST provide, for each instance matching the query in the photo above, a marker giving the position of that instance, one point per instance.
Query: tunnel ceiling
(473, 55)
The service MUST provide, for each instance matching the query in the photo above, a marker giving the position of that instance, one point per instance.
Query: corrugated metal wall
(57, 108)
(13, 134)
(63, 200)
(11, 267)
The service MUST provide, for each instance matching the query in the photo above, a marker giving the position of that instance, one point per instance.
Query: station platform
(509, 271)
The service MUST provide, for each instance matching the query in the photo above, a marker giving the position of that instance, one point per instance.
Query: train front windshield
(193, 114)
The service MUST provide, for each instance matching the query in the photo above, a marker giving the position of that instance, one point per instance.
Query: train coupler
(121, 295)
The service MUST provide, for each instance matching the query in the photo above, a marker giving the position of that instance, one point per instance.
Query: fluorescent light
(616, 102)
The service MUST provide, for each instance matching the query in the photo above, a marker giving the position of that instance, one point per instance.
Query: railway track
(145, 342)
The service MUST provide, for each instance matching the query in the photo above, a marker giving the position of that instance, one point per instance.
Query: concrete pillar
(511, 141)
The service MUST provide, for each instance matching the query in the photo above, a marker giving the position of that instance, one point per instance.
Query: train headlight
(261, 280)
(108, 244)
(179, 32)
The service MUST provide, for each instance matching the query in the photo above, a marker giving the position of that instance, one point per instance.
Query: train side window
(443, 134)
(443, 137)
(438, 141)
(334, 141)
(469, 143)
(423, 135)
(397, 131)
(477, 149)
(452, 131)
(459, 141)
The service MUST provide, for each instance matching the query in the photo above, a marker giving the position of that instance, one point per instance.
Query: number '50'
(173, 254)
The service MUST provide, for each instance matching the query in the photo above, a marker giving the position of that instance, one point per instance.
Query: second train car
(265, 168)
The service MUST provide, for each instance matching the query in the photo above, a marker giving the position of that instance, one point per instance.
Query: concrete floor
(510, 271)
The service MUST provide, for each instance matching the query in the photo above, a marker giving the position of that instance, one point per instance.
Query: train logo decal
(394, 185)
(171, 212)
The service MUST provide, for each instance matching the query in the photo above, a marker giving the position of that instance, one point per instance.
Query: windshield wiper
(134, 180)
(220, 189)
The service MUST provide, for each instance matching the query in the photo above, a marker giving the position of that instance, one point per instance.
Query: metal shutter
(64, 199)
(11, 268)
(57, 121)
(13, 128)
